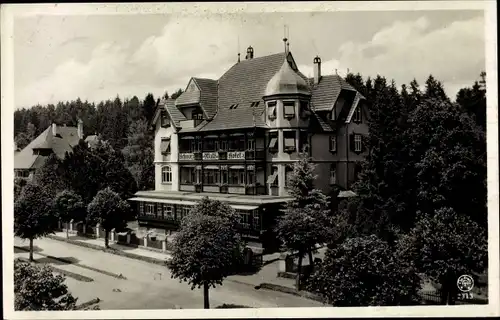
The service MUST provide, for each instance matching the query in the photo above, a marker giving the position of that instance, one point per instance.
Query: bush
(364, 272)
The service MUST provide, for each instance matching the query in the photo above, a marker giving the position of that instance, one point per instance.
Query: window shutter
(351, 142)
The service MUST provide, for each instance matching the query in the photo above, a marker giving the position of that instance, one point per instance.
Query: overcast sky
(97, 57)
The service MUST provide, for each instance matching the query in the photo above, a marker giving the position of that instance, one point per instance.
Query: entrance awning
(243, 207)
(212, 167)
(169, 201)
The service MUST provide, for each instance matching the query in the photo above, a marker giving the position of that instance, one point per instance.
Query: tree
(305, 221)
(38, 289)
(149, 107)
(434, 90)
(473, 101)
(110, 211)
(33, 216)
(206, 247)
(363, 271)
(19, 184)
(69, 206)
(139, 154)
(176, 94)
(448, 153)
(444, 246)
(50, 175)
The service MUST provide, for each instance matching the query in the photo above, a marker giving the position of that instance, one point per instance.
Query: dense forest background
(125, 124)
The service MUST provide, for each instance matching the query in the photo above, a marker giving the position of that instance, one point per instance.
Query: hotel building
(234, 139)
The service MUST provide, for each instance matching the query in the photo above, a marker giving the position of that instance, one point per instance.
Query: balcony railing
(259, 154)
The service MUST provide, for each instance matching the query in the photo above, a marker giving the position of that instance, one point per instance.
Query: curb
(110, 250)
(283, 289)
(69, 274)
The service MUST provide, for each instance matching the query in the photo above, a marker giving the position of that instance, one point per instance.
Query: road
(147, 286)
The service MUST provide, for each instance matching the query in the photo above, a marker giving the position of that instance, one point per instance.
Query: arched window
(166, 174)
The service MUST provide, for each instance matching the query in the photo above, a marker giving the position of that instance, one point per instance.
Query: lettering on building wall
(210, 156)
(186, 156)
(236, 155)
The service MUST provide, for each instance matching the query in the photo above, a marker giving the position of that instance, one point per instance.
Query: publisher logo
(465, 283)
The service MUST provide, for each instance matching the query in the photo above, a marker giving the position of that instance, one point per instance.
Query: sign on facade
(236, 155)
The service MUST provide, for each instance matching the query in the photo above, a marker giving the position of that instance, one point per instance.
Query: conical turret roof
(287, 81)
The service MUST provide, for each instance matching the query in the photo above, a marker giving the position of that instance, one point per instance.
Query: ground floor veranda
(162, 211)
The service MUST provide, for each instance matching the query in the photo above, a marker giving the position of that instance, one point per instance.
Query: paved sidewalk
(130, 249)
(267, 274)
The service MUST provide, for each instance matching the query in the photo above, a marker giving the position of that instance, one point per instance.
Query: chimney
(249, 53)
(80, 128)
(54, 129)
(317, 69)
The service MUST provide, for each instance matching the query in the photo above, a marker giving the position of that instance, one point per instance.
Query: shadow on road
(58, 260)
(23, 249)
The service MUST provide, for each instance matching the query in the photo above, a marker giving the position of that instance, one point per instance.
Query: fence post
(84, 229)
(128, 237)
(71, 226)
(59, 224)
(282, 262)
(146, 241)
(113, 235)
(164, 245)
(97, 230)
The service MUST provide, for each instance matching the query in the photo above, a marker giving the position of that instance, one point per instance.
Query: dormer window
(357, 115)
(289, 109)
(332, 115)
(164, 119)
(271, 110)
(197, 115)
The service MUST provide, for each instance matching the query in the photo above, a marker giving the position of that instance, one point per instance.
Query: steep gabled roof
(64, 141)
(355, 104)
(208, 95)
(327, 91)
(173, 112)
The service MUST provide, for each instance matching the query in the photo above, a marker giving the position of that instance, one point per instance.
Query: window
(159, 211)
(187, 175)
(333, 175)
(273, 139)
(304, 109)
(357, 115)
(165, 146)
(182, 211)
(210, 144)
(288, 175)
(236, 176)
(272, 179)
(165, 122)
(357, 143)
(250, 176)
(271, 110)
(166, 174)
(250, 144)
(141, 208)
(197, 115)
(303, 141)
(289, 109)
(211, 176)
(289, 140)
(237, 143)
(333, 143)
(150, 209)
(224, 175)
(168, 212)
(256, 220)
(223, 145)
(333, 115)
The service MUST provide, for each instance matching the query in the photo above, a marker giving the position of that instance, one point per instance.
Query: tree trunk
(106, 241)
(299, 269)
(206, 301)
(311, 261)
(31, 249)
